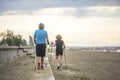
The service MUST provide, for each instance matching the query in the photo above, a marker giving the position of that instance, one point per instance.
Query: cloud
(78, 8)
(101, 11)
(55, 11)
(30, 5)
(14, 13)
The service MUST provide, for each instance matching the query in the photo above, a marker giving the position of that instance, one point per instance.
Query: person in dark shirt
(60, 45)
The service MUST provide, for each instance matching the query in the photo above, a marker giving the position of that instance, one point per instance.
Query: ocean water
(96, 48)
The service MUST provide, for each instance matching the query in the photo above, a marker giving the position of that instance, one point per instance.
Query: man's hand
(35, 41)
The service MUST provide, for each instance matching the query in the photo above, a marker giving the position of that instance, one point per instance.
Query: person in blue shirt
(40, 39)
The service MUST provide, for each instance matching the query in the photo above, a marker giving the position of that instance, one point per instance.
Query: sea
(96, 48)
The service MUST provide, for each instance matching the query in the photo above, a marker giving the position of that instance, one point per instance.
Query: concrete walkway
(45, 74)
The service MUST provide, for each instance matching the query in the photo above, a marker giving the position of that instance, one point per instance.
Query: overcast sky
(80, 22)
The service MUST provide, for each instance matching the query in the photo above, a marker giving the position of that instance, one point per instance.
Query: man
(40, 38)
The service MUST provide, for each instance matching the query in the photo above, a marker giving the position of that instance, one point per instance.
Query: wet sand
(80, 66)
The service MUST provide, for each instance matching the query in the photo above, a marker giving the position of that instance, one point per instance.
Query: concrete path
(45, 74)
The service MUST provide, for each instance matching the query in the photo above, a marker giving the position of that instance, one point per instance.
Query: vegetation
(8, 38)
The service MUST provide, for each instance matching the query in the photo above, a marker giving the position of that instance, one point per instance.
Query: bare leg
(38, 62)
(57, 60)
(42, 62)
(61, 61)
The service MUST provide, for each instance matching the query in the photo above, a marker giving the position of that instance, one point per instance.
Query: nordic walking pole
(51, 55)
(51, 51)
(65, 58)
(35, 62)
(35, 57)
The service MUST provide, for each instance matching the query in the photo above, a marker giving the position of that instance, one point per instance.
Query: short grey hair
(41, 26)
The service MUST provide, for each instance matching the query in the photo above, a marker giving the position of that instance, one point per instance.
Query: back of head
(41, 26)
(58, 36)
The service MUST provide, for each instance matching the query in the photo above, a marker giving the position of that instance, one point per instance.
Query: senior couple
(41, 39)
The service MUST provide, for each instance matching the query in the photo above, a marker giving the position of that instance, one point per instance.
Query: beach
(84, 65)
(81, 65)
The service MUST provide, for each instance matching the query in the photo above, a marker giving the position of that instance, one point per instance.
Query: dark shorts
(40, 50)
(59, 52)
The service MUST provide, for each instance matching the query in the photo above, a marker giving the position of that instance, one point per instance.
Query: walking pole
(35, 62)
(51, 51)
(51, 55)
(65, 59)
(35, 57)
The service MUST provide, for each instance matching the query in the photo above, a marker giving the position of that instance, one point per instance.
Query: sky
(80, 22)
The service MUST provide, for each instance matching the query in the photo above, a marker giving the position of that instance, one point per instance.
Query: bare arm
(34, 40)
(64, 45)
(47, 41)
(54, 44)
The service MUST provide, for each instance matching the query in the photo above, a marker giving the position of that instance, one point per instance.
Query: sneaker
(58, 67)
(42, 67)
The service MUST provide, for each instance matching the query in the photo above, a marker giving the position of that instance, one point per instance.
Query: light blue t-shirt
(40, 36)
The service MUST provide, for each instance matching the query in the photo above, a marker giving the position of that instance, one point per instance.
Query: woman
(60, 45)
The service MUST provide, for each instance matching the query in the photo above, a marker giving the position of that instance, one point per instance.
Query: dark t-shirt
(59, 46)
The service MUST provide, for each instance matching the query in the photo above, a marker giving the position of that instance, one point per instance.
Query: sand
(89, 66)
(20, 69)
(80, 66)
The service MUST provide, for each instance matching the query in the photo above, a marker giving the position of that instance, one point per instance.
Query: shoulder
(45, 31)
(62, 41)
(36, 30)
(55, 40)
